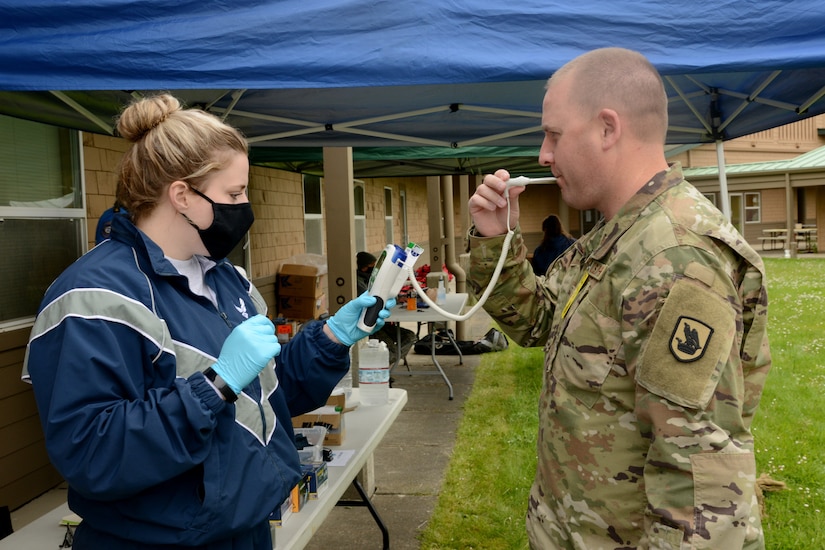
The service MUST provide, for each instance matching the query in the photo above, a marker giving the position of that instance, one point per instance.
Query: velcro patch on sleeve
(689, 345)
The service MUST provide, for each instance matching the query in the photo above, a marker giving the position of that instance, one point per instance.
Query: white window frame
(360, 205)
(34, 213)
(313, 220)
(757, 208)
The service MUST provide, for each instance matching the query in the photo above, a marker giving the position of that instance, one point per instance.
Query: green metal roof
(811, 160)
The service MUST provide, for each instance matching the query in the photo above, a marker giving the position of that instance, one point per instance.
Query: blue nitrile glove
(344, 324)
(246, 351)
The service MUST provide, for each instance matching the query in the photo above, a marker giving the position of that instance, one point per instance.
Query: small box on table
(280, 514)
(330, 416)
(316, 476)
(299, 495)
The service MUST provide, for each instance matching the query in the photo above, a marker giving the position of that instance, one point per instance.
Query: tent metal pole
(723, 179)
(813, 99)
(790, 244)
(83, 111)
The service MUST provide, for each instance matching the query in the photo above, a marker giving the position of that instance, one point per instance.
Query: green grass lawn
(484, 497)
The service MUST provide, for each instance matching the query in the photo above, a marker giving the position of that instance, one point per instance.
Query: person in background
(364, 262)
(164, 395)
(654, 326)
(556, 240)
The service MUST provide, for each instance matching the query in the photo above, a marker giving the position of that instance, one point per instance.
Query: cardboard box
(300, 308)
(330, 416)
(317, 476)
(338, 400)
(278, 516)
(299, 495)
(307, 281)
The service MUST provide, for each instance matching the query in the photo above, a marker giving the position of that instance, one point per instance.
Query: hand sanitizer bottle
(441, 296)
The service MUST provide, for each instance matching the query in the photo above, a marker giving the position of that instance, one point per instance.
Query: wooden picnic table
(773, 239)
(806, 236)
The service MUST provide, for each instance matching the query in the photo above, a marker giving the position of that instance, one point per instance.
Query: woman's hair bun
(144, 115)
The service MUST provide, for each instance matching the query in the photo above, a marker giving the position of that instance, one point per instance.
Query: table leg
(431, 330)
(397, 347)
(457, 348)
(440, 371)
(365, 501)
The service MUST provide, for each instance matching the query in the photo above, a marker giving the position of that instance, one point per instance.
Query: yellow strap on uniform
(575, 293)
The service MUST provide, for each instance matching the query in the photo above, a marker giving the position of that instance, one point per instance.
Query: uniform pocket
(587, 352)
(726, 513)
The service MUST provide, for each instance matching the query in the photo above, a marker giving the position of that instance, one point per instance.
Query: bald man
(654, 325)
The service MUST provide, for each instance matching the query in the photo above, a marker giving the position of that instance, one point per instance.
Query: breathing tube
(520, 181)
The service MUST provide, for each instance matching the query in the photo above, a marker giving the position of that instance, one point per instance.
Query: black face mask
(229, 225)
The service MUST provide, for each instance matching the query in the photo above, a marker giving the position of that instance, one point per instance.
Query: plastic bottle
(441, 297)
(374, 373)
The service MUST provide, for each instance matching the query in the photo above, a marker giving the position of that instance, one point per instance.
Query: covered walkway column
(441, 222)
(339, 211)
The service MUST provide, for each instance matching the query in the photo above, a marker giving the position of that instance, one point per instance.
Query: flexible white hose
(480, 303)
(505, 247)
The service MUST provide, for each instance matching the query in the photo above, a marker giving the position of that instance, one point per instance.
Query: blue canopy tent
(386, 74)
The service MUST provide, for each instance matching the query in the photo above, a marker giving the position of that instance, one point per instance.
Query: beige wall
(277, 199)
(773, 207)
(782, 143)
(101, 155)
(25, 469)
(416, 192)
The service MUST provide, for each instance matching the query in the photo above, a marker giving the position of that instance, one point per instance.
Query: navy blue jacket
(546, 253)
(149, 449)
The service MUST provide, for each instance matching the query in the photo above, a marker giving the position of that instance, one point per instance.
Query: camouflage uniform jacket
(654, 326)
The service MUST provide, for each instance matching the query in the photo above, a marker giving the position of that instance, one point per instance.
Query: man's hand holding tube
(344, 324)
(246, 351)
(488, 205)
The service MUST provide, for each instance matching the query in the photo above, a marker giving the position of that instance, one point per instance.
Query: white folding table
(454, 303)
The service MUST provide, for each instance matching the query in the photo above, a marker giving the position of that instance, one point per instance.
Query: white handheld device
(512, 182)
(387, 278)
(521, 181)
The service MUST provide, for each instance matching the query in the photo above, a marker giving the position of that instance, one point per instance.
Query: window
(589, 219)
(313, 215)
(712, 198)
(753, 210)
(388, 219)
(42, 215)
(359, 203)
